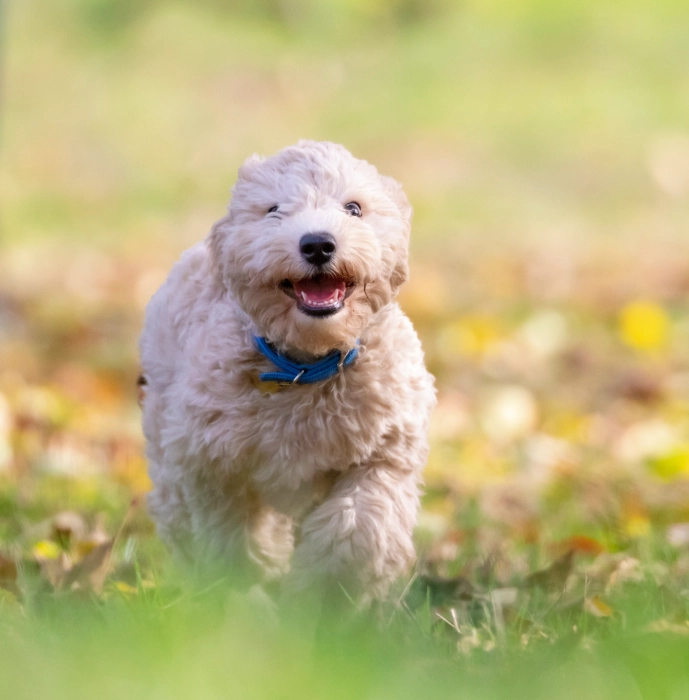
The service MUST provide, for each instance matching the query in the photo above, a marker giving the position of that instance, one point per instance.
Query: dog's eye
(353, 208)
(273, 209)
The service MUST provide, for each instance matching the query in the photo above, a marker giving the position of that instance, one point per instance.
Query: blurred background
(545, 149)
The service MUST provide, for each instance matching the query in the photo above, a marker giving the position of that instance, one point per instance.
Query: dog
(286, 398)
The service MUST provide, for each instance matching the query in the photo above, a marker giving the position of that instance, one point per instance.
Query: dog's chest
(303, 430)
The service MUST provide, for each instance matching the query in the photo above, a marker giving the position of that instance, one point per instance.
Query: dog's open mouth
(320, 295)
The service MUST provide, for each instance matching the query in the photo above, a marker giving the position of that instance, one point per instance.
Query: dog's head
(314, 244)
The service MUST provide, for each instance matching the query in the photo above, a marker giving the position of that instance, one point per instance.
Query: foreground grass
(164, 644)
(524, 620)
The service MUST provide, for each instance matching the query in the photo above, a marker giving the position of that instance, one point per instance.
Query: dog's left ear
(394, 190)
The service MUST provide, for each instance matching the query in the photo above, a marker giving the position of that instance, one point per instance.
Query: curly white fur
(234, 468)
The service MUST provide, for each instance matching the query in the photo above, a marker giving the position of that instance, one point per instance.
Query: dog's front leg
(360, 538)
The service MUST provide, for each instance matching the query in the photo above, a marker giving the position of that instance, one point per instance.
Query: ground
(544, 148)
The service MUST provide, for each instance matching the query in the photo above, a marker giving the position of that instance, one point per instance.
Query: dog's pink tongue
(318, 290)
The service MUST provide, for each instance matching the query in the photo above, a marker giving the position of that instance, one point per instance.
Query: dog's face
(315, 243)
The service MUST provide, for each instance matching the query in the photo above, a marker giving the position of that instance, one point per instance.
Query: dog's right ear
(247, 173)
(216, 246)
(249, 167)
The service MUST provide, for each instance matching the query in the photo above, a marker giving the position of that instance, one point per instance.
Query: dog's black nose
(317, 248)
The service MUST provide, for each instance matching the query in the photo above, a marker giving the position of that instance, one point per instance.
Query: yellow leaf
(644, 325)
(84, 547)
(671, 464)
(125, 588)
(597, 607)
(637, 525)
(481, 333)
(469, 335)
(46, 549)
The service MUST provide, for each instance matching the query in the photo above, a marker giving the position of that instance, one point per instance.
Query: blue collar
(296, 373)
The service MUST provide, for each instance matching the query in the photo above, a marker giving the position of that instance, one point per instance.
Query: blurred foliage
(544, 146)
(110, 17)
(506, 122)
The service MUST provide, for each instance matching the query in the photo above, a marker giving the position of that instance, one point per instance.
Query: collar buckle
(294, 381)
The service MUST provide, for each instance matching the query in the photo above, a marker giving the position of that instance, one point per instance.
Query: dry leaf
(8, 576)
(8, 569)
(55, 570)
(581, 544)
(439, 591)
(95, 538)
(663, 626)
(90, 573)
(628, 569)
(678, 535)
(68, 526)
(553, 577)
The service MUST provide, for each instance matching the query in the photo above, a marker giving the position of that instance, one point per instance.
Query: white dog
(287, 402)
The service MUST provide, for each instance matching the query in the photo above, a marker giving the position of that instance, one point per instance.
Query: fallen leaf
(90, 573)
(46, 549)
(672, 464)
(678, 534)
(640, 387)
(644, 325)
(125, 588)
(663, 626)
(628, 569)
(8, 576)
(505, 597)
(8, 569)
(581, 544)
(68, 526)
(553, 577)
(55, 570)
(597, 607)
(95, 538)
(637, 525)
(439, 591)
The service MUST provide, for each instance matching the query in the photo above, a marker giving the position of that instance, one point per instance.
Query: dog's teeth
(336, 298)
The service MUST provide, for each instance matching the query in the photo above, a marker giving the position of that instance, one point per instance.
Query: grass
(581, 617)
(168, 642)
